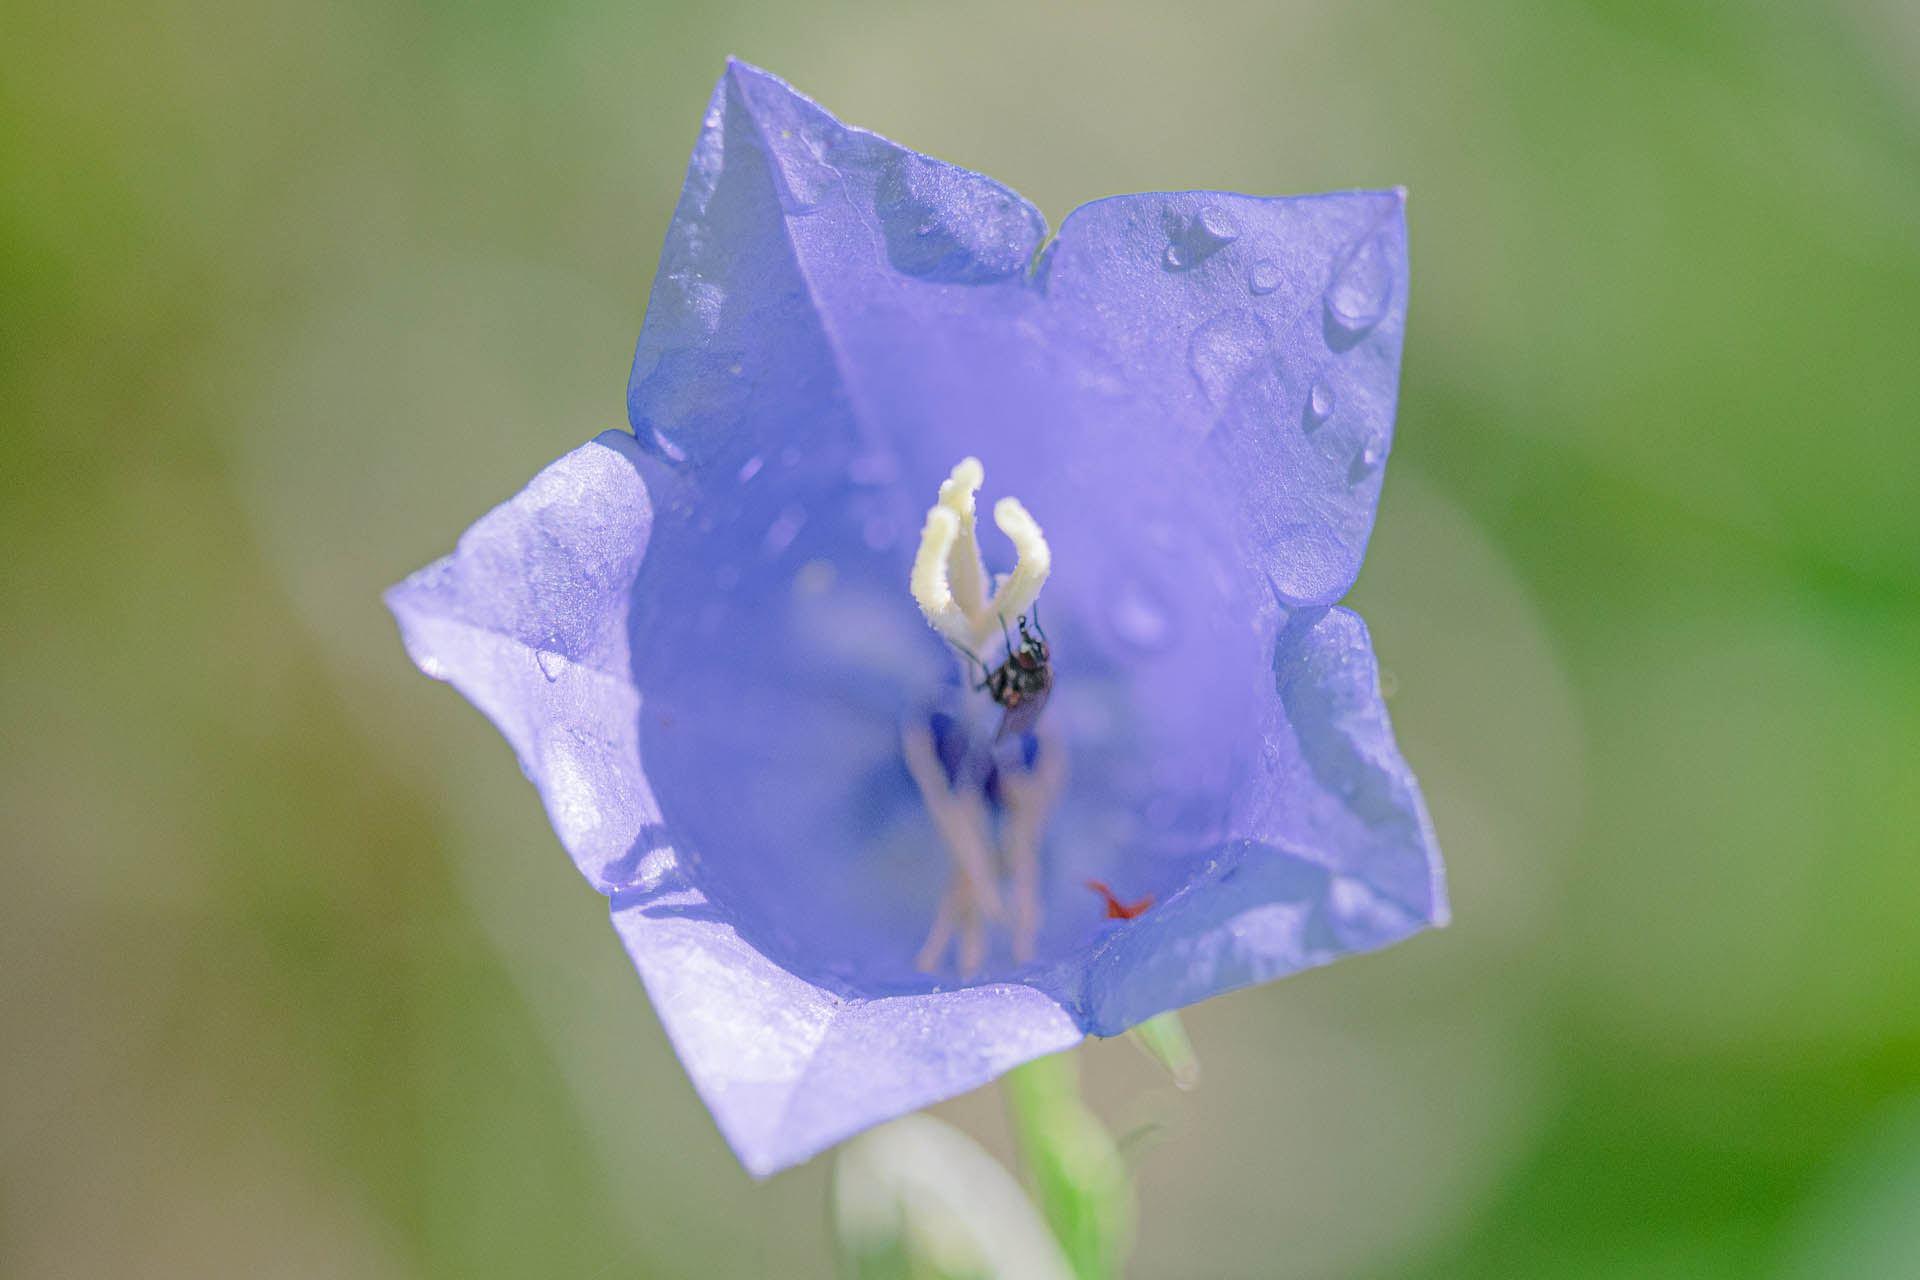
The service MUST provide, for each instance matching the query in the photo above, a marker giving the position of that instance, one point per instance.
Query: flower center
(990, 805)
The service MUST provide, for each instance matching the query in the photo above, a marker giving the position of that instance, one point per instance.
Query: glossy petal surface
(700, 642)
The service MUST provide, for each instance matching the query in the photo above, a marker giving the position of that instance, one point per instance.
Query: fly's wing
(1022, 718)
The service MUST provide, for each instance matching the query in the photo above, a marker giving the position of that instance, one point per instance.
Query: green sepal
(1077, 1172)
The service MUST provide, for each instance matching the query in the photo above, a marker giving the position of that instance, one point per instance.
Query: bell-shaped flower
(779, 694)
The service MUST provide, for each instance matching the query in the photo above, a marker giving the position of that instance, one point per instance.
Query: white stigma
(948, 582)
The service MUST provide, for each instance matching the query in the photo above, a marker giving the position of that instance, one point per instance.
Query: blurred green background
(294, 979)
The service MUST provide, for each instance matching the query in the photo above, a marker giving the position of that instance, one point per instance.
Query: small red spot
(1116, 909)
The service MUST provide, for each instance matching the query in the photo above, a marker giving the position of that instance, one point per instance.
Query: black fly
(1022, 682)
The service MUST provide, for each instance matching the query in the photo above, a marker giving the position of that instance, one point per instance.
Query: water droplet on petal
(1192, 241)
(1139, 619)
(751, 468)
(815, 578)
(550, 663)
(1362, 286)
(1216, 224)
(782, 532)
(1319, 404)
(668, 449)
(952, 226)
(1263, 277)
(1367, 461)
(1224, 350)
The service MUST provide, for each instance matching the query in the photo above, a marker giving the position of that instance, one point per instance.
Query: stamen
(960, 820)
(1028, 797)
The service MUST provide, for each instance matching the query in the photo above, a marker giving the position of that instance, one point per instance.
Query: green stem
(1076, 1171)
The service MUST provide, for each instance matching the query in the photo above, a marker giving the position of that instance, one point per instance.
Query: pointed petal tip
(737, 66)
(745, 73)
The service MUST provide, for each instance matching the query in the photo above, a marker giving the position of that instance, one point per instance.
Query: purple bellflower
(848, 891)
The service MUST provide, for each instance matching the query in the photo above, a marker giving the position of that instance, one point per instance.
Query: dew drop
(1361, 287)
(1319, 404)
(1224, 350)
(782, 532)
(1367, 461)
(1216, 225)
(1191, 241)
(668, 449)
(1263, 277)
(815, 578)
(751, 468)
(948, 225)
(550, 663)
(1139, 619)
